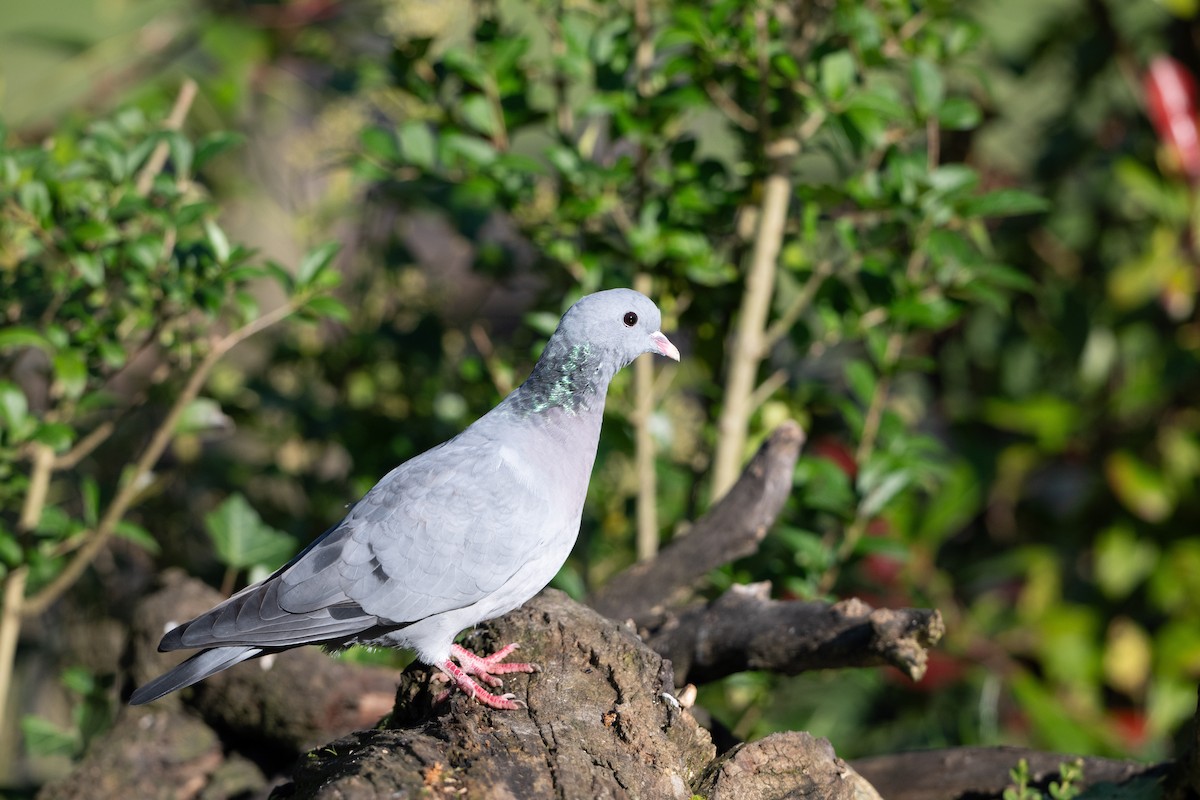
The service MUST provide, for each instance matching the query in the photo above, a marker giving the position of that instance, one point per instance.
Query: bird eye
(630, 319)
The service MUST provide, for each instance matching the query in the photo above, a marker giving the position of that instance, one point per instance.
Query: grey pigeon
(462, 533)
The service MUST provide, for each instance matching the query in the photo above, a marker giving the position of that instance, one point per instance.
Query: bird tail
(197, 668)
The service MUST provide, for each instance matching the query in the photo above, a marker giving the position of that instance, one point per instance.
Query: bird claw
(458, 675)
(486, 668)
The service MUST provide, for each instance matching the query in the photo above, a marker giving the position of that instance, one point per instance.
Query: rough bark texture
(745, 629)
(784, 765)
(600, 723)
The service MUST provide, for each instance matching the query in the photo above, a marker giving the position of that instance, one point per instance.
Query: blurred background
(956, 240)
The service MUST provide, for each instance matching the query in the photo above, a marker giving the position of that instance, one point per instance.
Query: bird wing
(440, 532)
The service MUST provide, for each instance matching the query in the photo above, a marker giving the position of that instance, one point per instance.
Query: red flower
(1171, 102)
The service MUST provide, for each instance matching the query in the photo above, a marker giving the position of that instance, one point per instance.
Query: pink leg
(463, 681)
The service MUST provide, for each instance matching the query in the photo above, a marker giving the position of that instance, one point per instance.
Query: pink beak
(664, 346)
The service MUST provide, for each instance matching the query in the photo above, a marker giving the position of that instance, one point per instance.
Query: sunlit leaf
(242, 539)
(315, 261)
(1140, 487)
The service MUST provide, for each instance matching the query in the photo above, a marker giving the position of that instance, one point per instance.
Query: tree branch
(158, 158)
(731, 529)
(747, 350)
(745, 629)
(647, 477)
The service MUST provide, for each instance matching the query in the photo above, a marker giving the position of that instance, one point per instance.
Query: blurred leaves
(242, 540)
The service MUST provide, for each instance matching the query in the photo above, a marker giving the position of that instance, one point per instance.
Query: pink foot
(462, 680)
(486, 668)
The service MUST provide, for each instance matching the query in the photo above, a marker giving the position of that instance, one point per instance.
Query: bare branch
(747, 352)
(745, 629)
(731, 529)
(158, 158)
(84, 447)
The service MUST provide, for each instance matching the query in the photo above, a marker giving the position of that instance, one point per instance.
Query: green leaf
(466, 64)
(89, 494)
(330, 307)
(417, 144)
(860, 377)
(79, 680)
(317, 260)
(959, 114)
(837, 73)
(879, 489)
(183, 152)
(18, 336)
(212, 145)
(44, 738)
(10, 550)
(90, 266)
(1123, 560)
(1140, 487)
(476, 111)
(1050, 419)
(1003, 203)
(241, 538)
(70, 368)
(280, 275)
(135, 533)
(950, 179)
(35, 198)
(94, 233)
(928, 86)
(14, 408)
(474, 151)
(380, 143)
(824, 486)
(932, 313)
(58, 436)
(201, 415)
(1004, 276)
(217, 240)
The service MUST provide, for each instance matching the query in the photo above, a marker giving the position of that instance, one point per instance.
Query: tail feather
(254, 618)
(196, 668)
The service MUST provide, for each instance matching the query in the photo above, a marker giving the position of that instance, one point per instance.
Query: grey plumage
(462, 533)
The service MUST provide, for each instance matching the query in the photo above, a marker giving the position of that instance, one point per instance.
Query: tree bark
(602, 721)
(744, 629)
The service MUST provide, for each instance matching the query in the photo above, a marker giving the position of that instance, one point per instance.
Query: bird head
(620, 322)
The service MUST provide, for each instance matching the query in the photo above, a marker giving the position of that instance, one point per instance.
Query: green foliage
(243, 542)
(120, 293)
(1071, 773)
(113, 269)
(91, 715)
